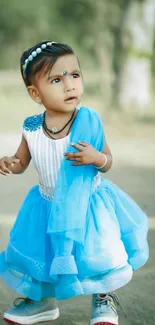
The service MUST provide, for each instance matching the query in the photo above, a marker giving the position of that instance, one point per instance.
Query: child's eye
(55, 81)
(75, 75)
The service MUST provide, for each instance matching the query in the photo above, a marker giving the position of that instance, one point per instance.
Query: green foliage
(95, 30)
(77, 22)
(78, 19)
(23, 23)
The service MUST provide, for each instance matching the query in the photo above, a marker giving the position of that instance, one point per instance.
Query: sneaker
(104, 310)
(27, 311)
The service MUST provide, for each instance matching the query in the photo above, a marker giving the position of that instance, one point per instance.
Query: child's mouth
(70, 99)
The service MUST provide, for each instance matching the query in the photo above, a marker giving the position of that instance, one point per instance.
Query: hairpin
(35, 53)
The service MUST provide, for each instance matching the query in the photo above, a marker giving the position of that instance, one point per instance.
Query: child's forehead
(65, 63)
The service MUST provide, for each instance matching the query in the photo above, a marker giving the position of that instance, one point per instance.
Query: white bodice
(47, 155)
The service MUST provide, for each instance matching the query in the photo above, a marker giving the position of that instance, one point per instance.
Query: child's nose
(69, 84)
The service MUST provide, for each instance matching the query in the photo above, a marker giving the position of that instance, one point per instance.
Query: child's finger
(83, 143)
(4, 173)
(5, 169)
(77, 146)
(72, 155)
(16, 160)
(13, 161)
(77, 164)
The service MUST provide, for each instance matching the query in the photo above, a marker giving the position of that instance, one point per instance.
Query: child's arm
(17, 163)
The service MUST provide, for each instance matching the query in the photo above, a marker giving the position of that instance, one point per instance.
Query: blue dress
(37, 263)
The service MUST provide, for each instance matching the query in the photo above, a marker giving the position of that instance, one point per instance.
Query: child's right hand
(5, 162)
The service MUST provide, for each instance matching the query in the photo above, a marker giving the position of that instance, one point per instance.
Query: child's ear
(34, 94)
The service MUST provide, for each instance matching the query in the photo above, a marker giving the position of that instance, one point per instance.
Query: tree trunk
(105, 58)
(104, 43)
(137, 42)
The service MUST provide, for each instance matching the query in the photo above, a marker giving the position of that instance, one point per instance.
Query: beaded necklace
(56, 130)
(48, 131)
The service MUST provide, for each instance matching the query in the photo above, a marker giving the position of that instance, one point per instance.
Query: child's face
(64, 81)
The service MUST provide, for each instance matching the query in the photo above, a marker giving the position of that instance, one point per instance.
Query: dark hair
(44, 61)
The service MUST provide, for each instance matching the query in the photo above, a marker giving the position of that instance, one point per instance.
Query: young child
(76, 233)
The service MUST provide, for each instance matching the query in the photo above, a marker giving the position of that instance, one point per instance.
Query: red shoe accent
(14, 323)
(104, 323)
(10, 321)
(102, 296)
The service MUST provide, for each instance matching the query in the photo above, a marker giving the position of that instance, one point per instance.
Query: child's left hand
(86, 154)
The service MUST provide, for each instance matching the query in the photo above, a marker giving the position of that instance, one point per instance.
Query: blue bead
(65, 73)
(49, 43)
(30, 58)
(43, 46)
(26, 61)
(34, 53)
(38, 50)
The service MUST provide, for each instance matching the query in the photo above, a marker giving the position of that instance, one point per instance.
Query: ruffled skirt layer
(115, 244)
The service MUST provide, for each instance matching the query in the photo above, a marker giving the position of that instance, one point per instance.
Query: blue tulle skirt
(115, 245)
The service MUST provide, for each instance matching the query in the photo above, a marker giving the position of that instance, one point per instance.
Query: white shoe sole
(26, 320)
(107, 320)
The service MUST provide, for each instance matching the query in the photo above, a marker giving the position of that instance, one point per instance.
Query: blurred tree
(107, 21)
(77, 18)
(138, 45)
(93, 25)
(21, 25)
(114, 39)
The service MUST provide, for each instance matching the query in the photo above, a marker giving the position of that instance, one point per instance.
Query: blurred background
(115, 42)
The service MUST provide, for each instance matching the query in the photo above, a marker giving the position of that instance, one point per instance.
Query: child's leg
(104, 310)
(27, 311)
